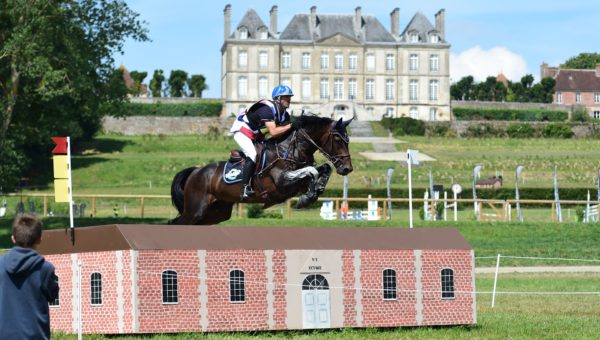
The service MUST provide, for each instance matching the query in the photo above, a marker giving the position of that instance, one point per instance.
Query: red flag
(61, 145)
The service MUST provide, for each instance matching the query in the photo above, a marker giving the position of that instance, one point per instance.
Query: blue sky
(487, 37)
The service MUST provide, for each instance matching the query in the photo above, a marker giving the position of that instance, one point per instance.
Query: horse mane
(310, 121)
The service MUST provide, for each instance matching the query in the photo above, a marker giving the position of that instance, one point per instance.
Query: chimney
(440, 22)
(357, 20)
(273, 24)
(313, 21)
(395, 17)
(227, 15)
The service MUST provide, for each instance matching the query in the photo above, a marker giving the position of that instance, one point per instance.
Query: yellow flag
(61, 166)
(61, 190)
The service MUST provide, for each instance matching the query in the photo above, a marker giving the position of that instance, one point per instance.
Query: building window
(389, 278)
(370, 111)
(324, 88)
(433, 114)
(370, 62)
(243, 33)
(339, 61)
(596, 97)
(578, 97)
(243, 59)
(286, 82)
(55, 302)
(370, 89)
(389, 61)
(306, 88)
(447, 283)
(413, 89)
(242, 87)
(413, 63)
(237, 290)
(596, 115)
(414, 113)
(433, 89)
(324, 61)
(285, 60)
(263, 34)
(389, 112)
(352, 61)
(434, 63)
(96, 288)
(352, 89)
(434, 38)
(263, 59)
(389, 89)
(414, 37)
(262, 87)
(559, 97)
(306, 60)
(338, 88)
(169, 287)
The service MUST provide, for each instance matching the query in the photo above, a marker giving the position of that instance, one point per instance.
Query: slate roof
(252, 22)
(165, 237)
(420, 24)
(577, 80)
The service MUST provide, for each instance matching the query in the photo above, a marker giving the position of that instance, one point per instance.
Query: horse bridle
(336, 159)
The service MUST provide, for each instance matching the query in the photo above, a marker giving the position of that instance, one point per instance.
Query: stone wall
(152, 125)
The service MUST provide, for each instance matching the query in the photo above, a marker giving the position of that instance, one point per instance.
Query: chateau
(339, 64)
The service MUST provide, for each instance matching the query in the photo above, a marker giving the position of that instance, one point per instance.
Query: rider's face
(285, 101)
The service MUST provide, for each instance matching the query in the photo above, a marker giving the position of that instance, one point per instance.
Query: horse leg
(316, 187)
(217, 212)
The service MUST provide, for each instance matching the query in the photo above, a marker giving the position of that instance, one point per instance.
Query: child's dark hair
(27, 230)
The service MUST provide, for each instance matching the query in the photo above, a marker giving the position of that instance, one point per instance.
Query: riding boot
(247, 173)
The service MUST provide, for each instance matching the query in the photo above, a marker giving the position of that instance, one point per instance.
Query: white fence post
(495, 280)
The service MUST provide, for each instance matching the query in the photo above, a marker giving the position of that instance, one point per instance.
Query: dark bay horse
(202, 197)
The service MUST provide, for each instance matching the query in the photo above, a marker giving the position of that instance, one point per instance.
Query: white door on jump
(315, 302)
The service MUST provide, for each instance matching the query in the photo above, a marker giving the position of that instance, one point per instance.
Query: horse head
(337, 146)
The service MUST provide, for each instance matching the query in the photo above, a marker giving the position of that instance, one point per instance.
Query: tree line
(178, 84)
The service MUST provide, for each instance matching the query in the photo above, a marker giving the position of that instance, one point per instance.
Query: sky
(486, 37)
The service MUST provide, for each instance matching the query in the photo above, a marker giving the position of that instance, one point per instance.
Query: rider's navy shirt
(265, 113)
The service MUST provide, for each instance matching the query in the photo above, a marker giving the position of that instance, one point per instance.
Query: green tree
(582, 61)
(156, 83)
(57, 75)
(177, 81)
(197, 84)
(463, 89)
(138, 80)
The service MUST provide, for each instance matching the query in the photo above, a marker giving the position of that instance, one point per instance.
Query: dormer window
(414, 37)
(434, 38)
(263, 34)
(243, 33)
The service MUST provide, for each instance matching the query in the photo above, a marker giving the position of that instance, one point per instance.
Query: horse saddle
(232, 172)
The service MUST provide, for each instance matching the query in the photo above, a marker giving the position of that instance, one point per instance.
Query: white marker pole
(71, 223)
(410, 206)
(495, 280)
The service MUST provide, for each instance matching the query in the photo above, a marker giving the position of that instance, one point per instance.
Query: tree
(463, 89)
(156, 83)
(582, 61)
(57, 75)
(197, 84)
(138, 79)
(177, 81)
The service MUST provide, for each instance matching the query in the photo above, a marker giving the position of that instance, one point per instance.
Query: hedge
(532, 115)
(195, 109)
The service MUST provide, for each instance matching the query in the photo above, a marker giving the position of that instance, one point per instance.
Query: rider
(264, 118)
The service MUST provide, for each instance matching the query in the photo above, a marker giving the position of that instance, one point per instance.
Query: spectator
(27, 284)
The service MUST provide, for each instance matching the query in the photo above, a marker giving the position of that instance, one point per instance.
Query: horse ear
(346, 123)
(339, 124)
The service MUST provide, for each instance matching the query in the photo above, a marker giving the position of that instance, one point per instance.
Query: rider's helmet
(281, 90)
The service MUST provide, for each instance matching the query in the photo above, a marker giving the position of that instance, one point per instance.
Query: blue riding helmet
(281, 90)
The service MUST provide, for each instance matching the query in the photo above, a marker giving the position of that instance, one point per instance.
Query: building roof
(252, 22)
(421, 25)
(328, 25)
(164, 237)
(577, 80)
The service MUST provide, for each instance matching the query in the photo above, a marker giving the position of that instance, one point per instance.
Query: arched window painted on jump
(170, 289)
(315, 281)
(389, 284)
(237, 286)
(447, 277)
(96, 288)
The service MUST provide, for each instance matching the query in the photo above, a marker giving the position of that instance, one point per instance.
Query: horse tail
(177, 187)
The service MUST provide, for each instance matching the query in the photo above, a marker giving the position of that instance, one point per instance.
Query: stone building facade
(167, 279)
(348, 64)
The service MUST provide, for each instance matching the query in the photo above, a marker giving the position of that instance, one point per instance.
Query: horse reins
(335, 160)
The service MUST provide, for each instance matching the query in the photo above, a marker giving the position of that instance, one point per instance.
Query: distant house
(167, 279)
(489, 183)
(575, 87)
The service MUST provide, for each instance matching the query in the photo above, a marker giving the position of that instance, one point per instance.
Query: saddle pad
(232, 172)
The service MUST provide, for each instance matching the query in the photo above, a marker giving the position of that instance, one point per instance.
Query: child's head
(26, 230)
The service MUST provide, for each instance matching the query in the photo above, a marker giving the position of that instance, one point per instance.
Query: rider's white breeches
(245, 144)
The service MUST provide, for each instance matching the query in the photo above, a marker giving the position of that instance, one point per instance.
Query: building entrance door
(315, 302)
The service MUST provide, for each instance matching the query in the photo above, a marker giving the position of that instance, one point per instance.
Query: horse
(286, 168)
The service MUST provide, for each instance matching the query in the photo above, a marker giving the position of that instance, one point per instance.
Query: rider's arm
(275, 130)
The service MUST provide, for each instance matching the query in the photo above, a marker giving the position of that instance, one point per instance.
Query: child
(27, 284)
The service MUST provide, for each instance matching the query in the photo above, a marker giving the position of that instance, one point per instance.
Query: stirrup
(247, 192)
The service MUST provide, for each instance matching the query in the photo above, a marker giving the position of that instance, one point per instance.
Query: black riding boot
(247, 173)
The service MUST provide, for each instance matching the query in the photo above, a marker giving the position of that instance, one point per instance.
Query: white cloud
(481, 64)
